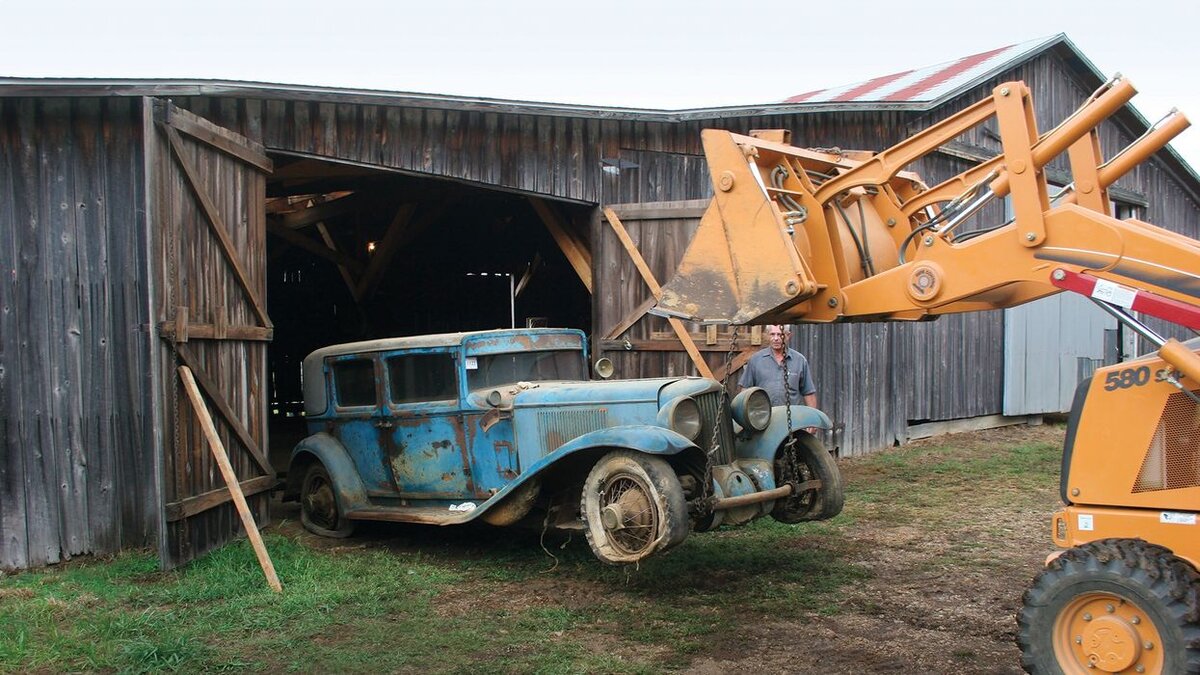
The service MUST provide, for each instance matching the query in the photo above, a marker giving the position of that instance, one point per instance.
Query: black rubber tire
(816, 463)
(625, 478)
(1153, 581)
(320, 512)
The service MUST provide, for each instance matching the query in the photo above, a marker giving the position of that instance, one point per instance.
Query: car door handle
(385, 424)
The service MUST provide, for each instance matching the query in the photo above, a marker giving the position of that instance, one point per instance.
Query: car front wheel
(632, 507)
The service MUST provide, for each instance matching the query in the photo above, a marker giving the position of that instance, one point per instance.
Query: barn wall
(75, 468)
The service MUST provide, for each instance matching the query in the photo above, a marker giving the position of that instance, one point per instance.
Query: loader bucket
(738, 274)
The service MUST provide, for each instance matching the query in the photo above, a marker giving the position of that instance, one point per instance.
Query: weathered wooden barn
(233, 227)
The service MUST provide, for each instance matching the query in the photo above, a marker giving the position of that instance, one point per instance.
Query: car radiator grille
(709, 403)
(561, 426)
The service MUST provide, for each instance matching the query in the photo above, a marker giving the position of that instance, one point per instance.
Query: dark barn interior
(356, 253)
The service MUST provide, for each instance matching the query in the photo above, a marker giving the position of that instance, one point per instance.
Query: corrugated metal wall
(75, 465)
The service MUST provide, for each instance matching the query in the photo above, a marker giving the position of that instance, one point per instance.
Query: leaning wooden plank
(218, 450)
(189, 359)
(632, 318)
(737, 362)
(656, 289)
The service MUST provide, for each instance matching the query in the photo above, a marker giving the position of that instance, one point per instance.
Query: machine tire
(1102, 602)
(320, 512)
(816, 463)
(644, 504)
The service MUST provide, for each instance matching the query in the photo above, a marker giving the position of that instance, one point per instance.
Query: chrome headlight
(752, 408)
(683, 417)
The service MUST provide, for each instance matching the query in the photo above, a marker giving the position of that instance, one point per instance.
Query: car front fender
(763, 445)
(649, 439)
(329, 452)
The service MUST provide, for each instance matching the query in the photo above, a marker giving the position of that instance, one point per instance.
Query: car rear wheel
(632, 507)
(319, 509)
(1112, 606)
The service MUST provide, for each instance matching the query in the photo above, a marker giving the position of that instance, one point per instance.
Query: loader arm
(795, 235)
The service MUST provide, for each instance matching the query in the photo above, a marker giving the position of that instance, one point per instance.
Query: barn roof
(917, 90)
(930, 85)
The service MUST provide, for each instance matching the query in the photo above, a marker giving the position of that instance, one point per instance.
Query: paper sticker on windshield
(1085, 522)
(1177, 518)
(1114, 293)
(472, 363)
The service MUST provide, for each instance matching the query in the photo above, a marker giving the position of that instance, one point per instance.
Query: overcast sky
(644, 54)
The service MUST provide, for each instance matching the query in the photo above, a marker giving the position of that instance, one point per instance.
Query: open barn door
(206, 195)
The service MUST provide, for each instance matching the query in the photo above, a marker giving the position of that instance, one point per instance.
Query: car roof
(426, 341)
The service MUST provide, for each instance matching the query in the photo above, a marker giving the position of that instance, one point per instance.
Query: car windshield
(492, 370)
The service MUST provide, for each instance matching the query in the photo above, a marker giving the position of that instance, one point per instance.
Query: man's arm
(810, 400)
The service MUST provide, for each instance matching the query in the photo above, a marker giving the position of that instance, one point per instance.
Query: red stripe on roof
(851, 94)
(941, 76)
(870, 85)
(800, 98)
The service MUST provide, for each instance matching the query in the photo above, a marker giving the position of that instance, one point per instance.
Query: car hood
(600, 392)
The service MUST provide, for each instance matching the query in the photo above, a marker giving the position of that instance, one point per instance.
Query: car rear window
(354, 382)
(422, 377)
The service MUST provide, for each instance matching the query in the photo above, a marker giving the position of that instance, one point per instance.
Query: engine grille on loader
(1173, 458)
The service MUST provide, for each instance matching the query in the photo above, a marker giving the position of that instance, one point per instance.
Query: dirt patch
(919, 613)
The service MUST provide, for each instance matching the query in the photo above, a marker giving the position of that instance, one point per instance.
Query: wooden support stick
(218, 450)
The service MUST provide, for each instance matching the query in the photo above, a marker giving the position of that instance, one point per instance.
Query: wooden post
(218, 450)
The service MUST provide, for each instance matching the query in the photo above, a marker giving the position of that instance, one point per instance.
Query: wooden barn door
(640, 245)
(207, 225)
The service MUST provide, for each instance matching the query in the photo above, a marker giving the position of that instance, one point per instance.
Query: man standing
(765, 369)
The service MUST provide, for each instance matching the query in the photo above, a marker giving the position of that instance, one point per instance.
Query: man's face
(776, 335)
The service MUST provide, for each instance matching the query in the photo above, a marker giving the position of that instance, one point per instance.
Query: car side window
(354, 382)
(422, 377)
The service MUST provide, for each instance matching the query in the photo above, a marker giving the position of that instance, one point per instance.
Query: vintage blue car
(504, 426)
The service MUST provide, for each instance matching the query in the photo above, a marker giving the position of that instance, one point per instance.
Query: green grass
(458, 600)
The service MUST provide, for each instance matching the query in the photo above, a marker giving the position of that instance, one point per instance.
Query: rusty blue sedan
(504, 426)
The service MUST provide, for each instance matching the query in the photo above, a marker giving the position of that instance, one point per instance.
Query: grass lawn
(419, 599)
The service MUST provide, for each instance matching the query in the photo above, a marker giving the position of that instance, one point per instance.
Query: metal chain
(787, 394)
(789, 448)
(715, 442)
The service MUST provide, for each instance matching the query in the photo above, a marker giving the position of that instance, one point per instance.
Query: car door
(423, 432)
(358, 417)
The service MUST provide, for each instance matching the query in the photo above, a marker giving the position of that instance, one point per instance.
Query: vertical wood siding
(75, 466)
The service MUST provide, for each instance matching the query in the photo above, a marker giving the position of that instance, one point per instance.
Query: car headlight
(752, 408)
(683, 417)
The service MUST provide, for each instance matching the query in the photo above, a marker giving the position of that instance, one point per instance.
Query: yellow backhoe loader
(796, 235)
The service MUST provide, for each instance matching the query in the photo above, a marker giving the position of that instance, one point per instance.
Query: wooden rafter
(350, 279)
(656, 291)
(573, 248)
(403, 229)
(313, 246)
(323, 211)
